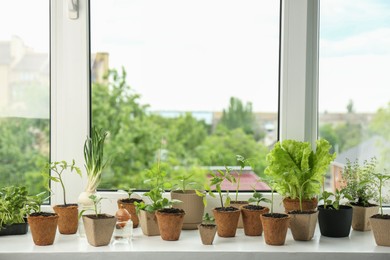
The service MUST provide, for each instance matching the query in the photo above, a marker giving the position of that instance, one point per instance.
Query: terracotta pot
(68, 220)
(226, 221)
(293, 204)
(128, 204)
(170, 223)
(361, 216)
(149, 224)
(207, 233)
(303, 225)
(381, 231)
(43, 228)
(193, 206)
(238, 204)
(252, 221)
(335, 223)
(99, 230)
(275, 229)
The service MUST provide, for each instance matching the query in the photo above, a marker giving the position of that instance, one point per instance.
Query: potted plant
(242, 162)
(43, 225)
(359, 189)
(94, 164)
(68, 213)
(251, 214)
(14, 209)
(146, 210)
(98, 227)
(128, 204)
(298, 172)
(191, 203)
(225, 216)
(207, 229)
(381, 222)
(170, 220)
(334, 219)
(275, 225)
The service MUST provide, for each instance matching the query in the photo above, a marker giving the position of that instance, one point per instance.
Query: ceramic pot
(193, 206)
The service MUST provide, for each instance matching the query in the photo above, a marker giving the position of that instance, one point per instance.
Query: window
(190, 84)
(24, 93)
(354, 103)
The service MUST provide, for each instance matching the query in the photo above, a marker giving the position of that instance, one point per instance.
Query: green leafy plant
(242, 162)
(258, 197)
(217, 180)
(184, 182)
(296, 170)
(14, 205)
(58, 168)
(208, 219)
(358, 181)
(94, 157)
(381, 178)
(96, 200)
(328, 202)
(35, 202)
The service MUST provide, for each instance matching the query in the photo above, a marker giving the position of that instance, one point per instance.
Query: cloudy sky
(195, 54)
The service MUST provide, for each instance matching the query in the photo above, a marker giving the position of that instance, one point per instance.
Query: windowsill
(359, 245)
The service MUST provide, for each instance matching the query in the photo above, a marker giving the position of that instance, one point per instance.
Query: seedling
(381, 179)
(328, 202)
(208, 220)
(257, 197)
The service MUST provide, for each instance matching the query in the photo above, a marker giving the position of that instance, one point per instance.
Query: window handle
(73, 9)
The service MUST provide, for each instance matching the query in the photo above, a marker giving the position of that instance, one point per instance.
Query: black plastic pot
(335, 223)
(14, 229)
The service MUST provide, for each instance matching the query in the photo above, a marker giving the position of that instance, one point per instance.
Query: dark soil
(130, 201)
(301, 212)
(226, 209)
(361, 204)
(253, 207)
(43, 214)
(208, 225)
(239, 202)
(171, 211)
(67, 205)
(275, 215)
(385, 216)
(99, 216)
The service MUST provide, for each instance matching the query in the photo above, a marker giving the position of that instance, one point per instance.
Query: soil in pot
(128, 204)
(335, 223)
(99, 229)
(275, 228)
(43, 227)
(381, 229)
(251, 219)
(226, 219)
(361, 215)
(238, 204)
(68, 218)
(303, 224)
(192, 205)
(293, 204)
(207, 233)
(170, 223)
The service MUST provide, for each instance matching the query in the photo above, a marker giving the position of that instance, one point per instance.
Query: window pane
(194, 83)
(24, 92)
(354, 92)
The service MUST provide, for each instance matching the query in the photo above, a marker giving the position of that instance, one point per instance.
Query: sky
(195, 54)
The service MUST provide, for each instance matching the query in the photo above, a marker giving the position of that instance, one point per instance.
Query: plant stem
(380, 195)
(63, 188)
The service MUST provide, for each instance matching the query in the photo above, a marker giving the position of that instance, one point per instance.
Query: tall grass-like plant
(94, 158)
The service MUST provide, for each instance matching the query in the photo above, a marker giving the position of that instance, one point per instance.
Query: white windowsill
(358, 246)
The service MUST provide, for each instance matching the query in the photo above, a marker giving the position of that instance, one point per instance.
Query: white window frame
(70, 82)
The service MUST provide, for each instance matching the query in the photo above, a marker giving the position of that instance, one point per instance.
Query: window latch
(73, 9)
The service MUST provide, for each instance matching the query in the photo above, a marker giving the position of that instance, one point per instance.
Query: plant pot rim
(303, 212)
(360, 206)
(121, 200)
(44, 216)
(269, 215)
(219, 209)
(69, 205)
(342, 207)
(296, 199)
(243, 207)
(181, 212)
(100, 216)
(185, 191)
